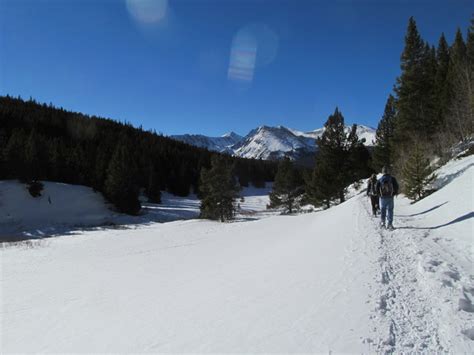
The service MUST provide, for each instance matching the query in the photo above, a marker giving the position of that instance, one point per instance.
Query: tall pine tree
(442, 90)
(417, 173)
(286, 187)
(219, 190)
(461, 114)
(414, 89)
(383, 150)
(120, 184)
(329, 176)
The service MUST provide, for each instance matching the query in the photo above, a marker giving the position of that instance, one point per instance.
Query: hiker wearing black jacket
(372, 193)
(387, 188)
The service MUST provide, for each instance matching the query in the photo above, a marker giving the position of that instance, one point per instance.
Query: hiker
(387, 188)
(372, 193)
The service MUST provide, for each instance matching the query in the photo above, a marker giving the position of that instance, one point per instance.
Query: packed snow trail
(330, 281)
(427, 283)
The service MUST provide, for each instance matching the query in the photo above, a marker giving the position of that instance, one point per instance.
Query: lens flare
(243, 55)
(147, 12)
(255, 45)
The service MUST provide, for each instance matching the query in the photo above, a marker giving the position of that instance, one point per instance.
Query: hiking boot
(382, 224)
(390, 227)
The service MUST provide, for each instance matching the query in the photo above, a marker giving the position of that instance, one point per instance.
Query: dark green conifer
(383, 153)
(33, 157)
(329, 177)
(286, 187)
(219, 190)
(152, 190)
(14, 156)
(461, 109)
(120, 186)
(413, 89)
(442, 90)
(358, 157)
(417, 173)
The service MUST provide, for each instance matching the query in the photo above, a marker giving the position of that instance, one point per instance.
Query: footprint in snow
(469, 333)
(453, 274)
(466, 305)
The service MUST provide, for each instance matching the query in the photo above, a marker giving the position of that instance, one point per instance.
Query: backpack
(386, 187)
(372, 187)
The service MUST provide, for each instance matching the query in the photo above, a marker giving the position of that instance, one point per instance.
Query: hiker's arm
(395, 186)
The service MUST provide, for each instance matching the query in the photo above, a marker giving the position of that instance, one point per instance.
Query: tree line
(341, 159)
(42, 142)
(431, 109)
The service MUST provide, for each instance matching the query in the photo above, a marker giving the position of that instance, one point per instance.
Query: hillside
(306, 283)
(43, 142)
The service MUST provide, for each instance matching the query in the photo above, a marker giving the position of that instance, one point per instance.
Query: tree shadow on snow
(445, 180)
(457, 220)
(420, 213)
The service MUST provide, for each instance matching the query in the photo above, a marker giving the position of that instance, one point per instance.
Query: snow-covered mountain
(267, 142)
(219, 144)
(272, 143)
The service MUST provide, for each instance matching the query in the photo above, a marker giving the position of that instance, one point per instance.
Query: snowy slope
(269, 142)
(59, 205)
(322, 282)
(64, 208)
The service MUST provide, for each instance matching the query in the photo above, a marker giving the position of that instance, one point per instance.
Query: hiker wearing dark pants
(387, 188)
(372, 193)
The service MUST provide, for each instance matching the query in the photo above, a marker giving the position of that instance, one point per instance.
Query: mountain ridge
(269, 142)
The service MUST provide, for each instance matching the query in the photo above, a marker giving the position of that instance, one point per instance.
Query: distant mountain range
(269, 143)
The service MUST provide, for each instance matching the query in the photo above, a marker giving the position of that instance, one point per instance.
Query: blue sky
(202, 66)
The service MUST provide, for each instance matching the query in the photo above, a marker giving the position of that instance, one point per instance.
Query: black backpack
(386, 186)
(372, 187)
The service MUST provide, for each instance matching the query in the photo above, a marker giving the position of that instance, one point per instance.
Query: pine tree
(3, 144)
(219, 190)
(442, 90)
(120, 186)
(470, 63)
(14, 155)
(320, 188)
(383, 153)
(358, 157)
(414, 89)
(32, 156)
(417, 173)
(430, 67)
(461, 109)
(470, 45)
(329, 177)
(286, 187)
(153, 188)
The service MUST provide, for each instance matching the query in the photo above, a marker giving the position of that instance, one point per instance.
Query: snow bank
(64, 208)
(59, 205)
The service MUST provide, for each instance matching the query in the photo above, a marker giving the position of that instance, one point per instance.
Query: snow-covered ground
(65, 209)
(329, 281)
(60, 206)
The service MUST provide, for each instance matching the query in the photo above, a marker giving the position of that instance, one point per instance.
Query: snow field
(193, 286)
(68, 209)
(319, 282)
